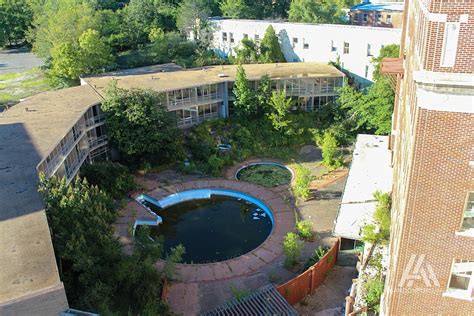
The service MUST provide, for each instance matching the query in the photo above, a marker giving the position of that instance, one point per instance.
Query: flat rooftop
(168, 80)
(28, 132)
(370, 171)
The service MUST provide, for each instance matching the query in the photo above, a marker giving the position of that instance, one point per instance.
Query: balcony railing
(189, 121)
(95, 120)
(72, 169)
(96, 142)
(194, 100)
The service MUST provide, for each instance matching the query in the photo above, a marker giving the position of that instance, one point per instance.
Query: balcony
(190, 121)
(183, 103)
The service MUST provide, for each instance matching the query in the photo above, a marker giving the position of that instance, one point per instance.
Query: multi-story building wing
(196, 95)
(353, 47)
(431, 268)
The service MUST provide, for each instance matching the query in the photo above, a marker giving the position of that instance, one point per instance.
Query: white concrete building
(353, 46)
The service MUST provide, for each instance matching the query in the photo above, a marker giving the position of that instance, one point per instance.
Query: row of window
(365, 17)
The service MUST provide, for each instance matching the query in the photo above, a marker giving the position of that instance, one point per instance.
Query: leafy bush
(216, 165)
(373, 292)
(332, 157)
(317, 255)
(292, 246)
(305, 229)
(302, 182)
(113, 178)
(201, 143)
(176, 256)
(379, 231)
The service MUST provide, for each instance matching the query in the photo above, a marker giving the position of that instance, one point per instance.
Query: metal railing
(189, 121)
(194, 100)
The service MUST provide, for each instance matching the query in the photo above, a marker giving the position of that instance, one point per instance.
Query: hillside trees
(316, 11)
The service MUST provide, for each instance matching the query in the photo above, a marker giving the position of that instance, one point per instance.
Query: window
(365, 17)
(379, 16)
(231, 35)
(346, 48)
(294, 41)
(305, 45)
(246, 36)
(468, 219)
(224, 36)
(366, 71)
(461, 281)
(389, 18)
(257, 37)
(369, 50)
(333, 48)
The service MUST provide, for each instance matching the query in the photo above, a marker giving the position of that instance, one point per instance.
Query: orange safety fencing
(305, 284)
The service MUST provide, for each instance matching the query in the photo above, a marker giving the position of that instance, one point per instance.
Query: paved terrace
(28, 132)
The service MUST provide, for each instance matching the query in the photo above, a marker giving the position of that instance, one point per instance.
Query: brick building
(431, 268)
(377, 14)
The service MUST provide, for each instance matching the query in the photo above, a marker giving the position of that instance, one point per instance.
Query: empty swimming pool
(212, 224)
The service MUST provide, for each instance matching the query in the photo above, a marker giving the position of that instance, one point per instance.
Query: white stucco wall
(320, 39)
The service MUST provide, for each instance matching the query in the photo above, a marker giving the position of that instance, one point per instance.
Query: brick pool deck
(245, 264)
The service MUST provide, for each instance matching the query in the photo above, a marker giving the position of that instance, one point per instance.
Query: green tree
(192, 17)
(140, 126)
(316, 11)
(392, 50)
(332, 157)
(270, 50)
(246, 53)
(292, 246)
(60, 22)
(263, 95)
(245, 105)
(15, 18)
(236, 9)
(280, 109)
(91, 55)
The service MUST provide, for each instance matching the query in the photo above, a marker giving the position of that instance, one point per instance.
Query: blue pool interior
(212, 224)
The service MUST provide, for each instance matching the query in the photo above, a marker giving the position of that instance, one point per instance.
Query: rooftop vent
(222, 75)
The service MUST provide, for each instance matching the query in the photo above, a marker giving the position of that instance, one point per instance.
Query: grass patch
(19, 85)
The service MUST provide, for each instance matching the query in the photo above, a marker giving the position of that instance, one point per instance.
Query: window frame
(467, 294)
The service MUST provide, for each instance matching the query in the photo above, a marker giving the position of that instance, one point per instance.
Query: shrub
(113, 178)
(332, 158)
(216, 165)
(317, 255)
(302, 182)
(305, 229)
(292, 247)
(373, 293)
(176, 256)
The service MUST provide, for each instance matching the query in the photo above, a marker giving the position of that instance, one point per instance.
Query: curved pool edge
(263, 162)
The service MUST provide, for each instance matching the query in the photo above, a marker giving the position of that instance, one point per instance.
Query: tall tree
(58, 22)
(270, 50)
(15, 18)
(246, 53)
(141, 127)
(192, 17)
(244, 103)
(280, 108)
(263, 95)
(316, 11)
(392, 50)
(91, 55)
(236, 9)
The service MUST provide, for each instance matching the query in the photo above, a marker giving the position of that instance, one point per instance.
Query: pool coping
(231, 173)
(248, 263)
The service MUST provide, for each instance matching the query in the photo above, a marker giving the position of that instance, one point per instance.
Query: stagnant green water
(214, 229)
(265, 174)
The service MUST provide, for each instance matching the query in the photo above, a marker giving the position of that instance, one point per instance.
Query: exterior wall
(315, 42)
(390, 19)
(197, 104)
(85, 141)
(432, 156)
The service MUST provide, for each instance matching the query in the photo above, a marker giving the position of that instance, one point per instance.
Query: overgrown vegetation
(267, 175)
(140, 127)
(317, 255)
(378, 232)
(113, 178)
(96, 273)
(305, 229)
(303, 180)
(292, 246)
(332, 157)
